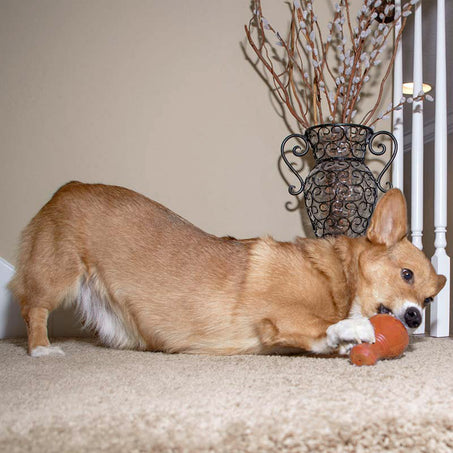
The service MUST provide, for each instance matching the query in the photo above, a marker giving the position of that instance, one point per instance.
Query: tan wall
(155, 95)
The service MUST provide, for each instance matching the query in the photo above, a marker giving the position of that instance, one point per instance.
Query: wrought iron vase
(340, 191)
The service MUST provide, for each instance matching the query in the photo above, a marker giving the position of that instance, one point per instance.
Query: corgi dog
(144, 278)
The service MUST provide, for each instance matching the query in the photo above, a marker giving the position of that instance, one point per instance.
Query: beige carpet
(97, 399)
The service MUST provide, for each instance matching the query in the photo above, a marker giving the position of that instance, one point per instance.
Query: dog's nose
(413, 317)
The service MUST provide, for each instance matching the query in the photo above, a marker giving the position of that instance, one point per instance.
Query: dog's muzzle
(412, 317)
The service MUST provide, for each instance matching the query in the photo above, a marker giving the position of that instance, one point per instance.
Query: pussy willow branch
(293, 46)
(324, 63)
(307, 89)
(293, 93)
(339, 86)
(318, 72)
(352, 99)
(420, 97)
(262, 45)
(302, 120)
(370, 114)
(317, 76)
(347, 112)
(287, 70)
(348, 15)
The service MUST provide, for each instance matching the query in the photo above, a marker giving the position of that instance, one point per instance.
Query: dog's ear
(441, 280)
(389, 222)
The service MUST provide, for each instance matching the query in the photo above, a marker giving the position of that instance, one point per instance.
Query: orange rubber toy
(391, 341)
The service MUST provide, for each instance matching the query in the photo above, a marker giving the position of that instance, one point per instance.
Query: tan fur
(165, 285)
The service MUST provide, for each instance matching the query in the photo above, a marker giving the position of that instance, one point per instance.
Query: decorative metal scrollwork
(292, 189)
(380, 153)
(340, 191)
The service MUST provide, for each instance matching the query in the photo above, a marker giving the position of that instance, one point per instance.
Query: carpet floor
(98, 399)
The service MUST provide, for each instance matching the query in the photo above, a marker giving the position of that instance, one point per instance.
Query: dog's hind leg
(45, 278)
(38, 341)
(36, 305)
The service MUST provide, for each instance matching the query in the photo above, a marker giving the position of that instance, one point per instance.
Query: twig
(302, 77)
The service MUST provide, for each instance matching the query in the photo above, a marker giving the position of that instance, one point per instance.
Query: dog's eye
(384, 310)
(407, 275)
(427, 301)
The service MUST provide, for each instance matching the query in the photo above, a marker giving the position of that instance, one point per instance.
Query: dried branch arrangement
(321, 77)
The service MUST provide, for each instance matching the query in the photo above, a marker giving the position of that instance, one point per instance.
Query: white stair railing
(440, 309)
(417, 139)
(398, 118)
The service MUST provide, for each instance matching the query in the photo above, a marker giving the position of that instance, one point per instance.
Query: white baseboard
(11, 322)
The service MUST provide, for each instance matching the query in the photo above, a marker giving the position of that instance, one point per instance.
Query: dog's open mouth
(384, 310)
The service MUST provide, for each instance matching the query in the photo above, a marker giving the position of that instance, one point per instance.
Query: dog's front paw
(348, 332)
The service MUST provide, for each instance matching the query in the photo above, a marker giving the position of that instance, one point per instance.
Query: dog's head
(395, 276)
